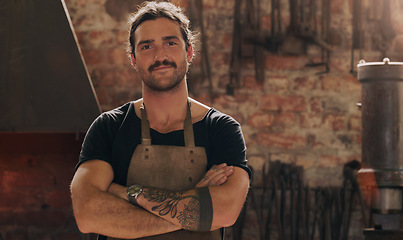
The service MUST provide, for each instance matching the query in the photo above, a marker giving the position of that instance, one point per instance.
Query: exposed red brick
(277, 83)
(105, 77)
(100, 38)
(330, 82)
(336, 122)
(335, 37)
(340, 65)
(304, 83)
(180, 3)
(283, 103)
(260, 120)
(93, 57)
(250, 139)
(337, 6)
(265, 22)
(306, 161)
(118, 56)
(284, 62)
(238, 117)
(122, 37)
(284, 120)
(128, 77)
(223, 101)
(350, 83)
(102, 96)
(315, 104)
(355, 123)
(329, 161)
(209, 4)
(310, 120)
(278, 140)
(249, 82)
(220, 59)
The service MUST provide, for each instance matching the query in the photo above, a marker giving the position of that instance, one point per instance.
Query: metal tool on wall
(195, 9)
(357, 34)
(235, 65)
(372, 29)
(310, 16)
(205, 56)
(252, 34)
(309, 24)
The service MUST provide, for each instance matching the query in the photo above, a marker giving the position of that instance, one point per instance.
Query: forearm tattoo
(197, 214)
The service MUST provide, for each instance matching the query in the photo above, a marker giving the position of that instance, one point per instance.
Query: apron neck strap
(187, 127)
(145, 127)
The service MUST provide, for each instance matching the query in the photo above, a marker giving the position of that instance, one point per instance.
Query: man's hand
(216, 176)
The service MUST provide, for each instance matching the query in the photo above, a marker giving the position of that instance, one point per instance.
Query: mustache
(158, 63)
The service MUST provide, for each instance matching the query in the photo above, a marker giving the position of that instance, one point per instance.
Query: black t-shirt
(114, 135)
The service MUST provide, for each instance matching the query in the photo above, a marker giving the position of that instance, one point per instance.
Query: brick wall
(297, 115)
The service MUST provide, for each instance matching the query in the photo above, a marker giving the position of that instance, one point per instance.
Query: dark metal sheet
(44, 83)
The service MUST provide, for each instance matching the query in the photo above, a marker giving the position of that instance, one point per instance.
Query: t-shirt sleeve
(97, 142)
(228, 143)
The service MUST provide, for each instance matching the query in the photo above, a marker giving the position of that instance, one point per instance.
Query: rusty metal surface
(44, 84)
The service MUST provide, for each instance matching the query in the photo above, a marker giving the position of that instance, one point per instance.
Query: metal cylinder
(382, 127)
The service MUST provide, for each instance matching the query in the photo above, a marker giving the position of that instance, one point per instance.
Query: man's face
(161, 56)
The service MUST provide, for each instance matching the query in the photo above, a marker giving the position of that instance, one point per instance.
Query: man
(164, 166)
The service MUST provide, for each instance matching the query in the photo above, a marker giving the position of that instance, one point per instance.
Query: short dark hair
(159, 9)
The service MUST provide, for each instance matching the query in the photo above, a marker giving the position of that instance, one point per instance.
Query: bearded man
(164, 166)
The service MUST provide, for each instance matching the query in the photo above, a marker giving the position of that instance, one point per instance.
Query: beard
(163, 83)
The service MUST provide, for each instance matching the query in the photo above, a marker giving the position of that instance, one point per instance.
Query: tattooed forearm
(189, 218)
(168, 201)
(192, 211)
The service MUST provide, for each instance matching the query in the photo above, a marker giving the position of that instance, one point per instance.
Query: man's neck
(166, 111)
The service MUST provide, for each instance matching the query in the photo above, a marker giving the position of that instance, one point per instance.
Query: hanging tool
(205, 56)
(235, 66)
(259, 50)
(273, 42)
(252, 35)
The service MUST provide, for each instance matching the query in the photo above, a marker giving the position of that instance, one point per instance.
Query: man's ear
(133, 60)
(189, 53)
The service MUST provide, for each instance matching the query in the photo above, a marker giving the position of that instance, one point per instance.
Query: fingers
(216, 176)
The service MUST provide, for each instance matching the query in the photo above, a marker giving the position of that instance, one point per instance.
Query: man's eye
(145, 47)
(171, 43)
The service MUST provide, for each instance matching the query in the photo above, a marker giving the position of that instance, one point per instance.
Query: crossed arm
(102, 207)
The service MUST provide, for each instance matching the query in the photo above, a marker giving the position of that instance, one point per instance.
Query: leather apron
(173, 168)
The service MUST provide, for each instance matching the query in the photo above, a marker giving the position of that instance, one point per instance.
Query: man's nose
(160, 54)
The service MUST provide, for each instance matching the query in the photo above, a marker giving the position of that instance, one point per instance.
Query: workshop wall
(298, 114)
